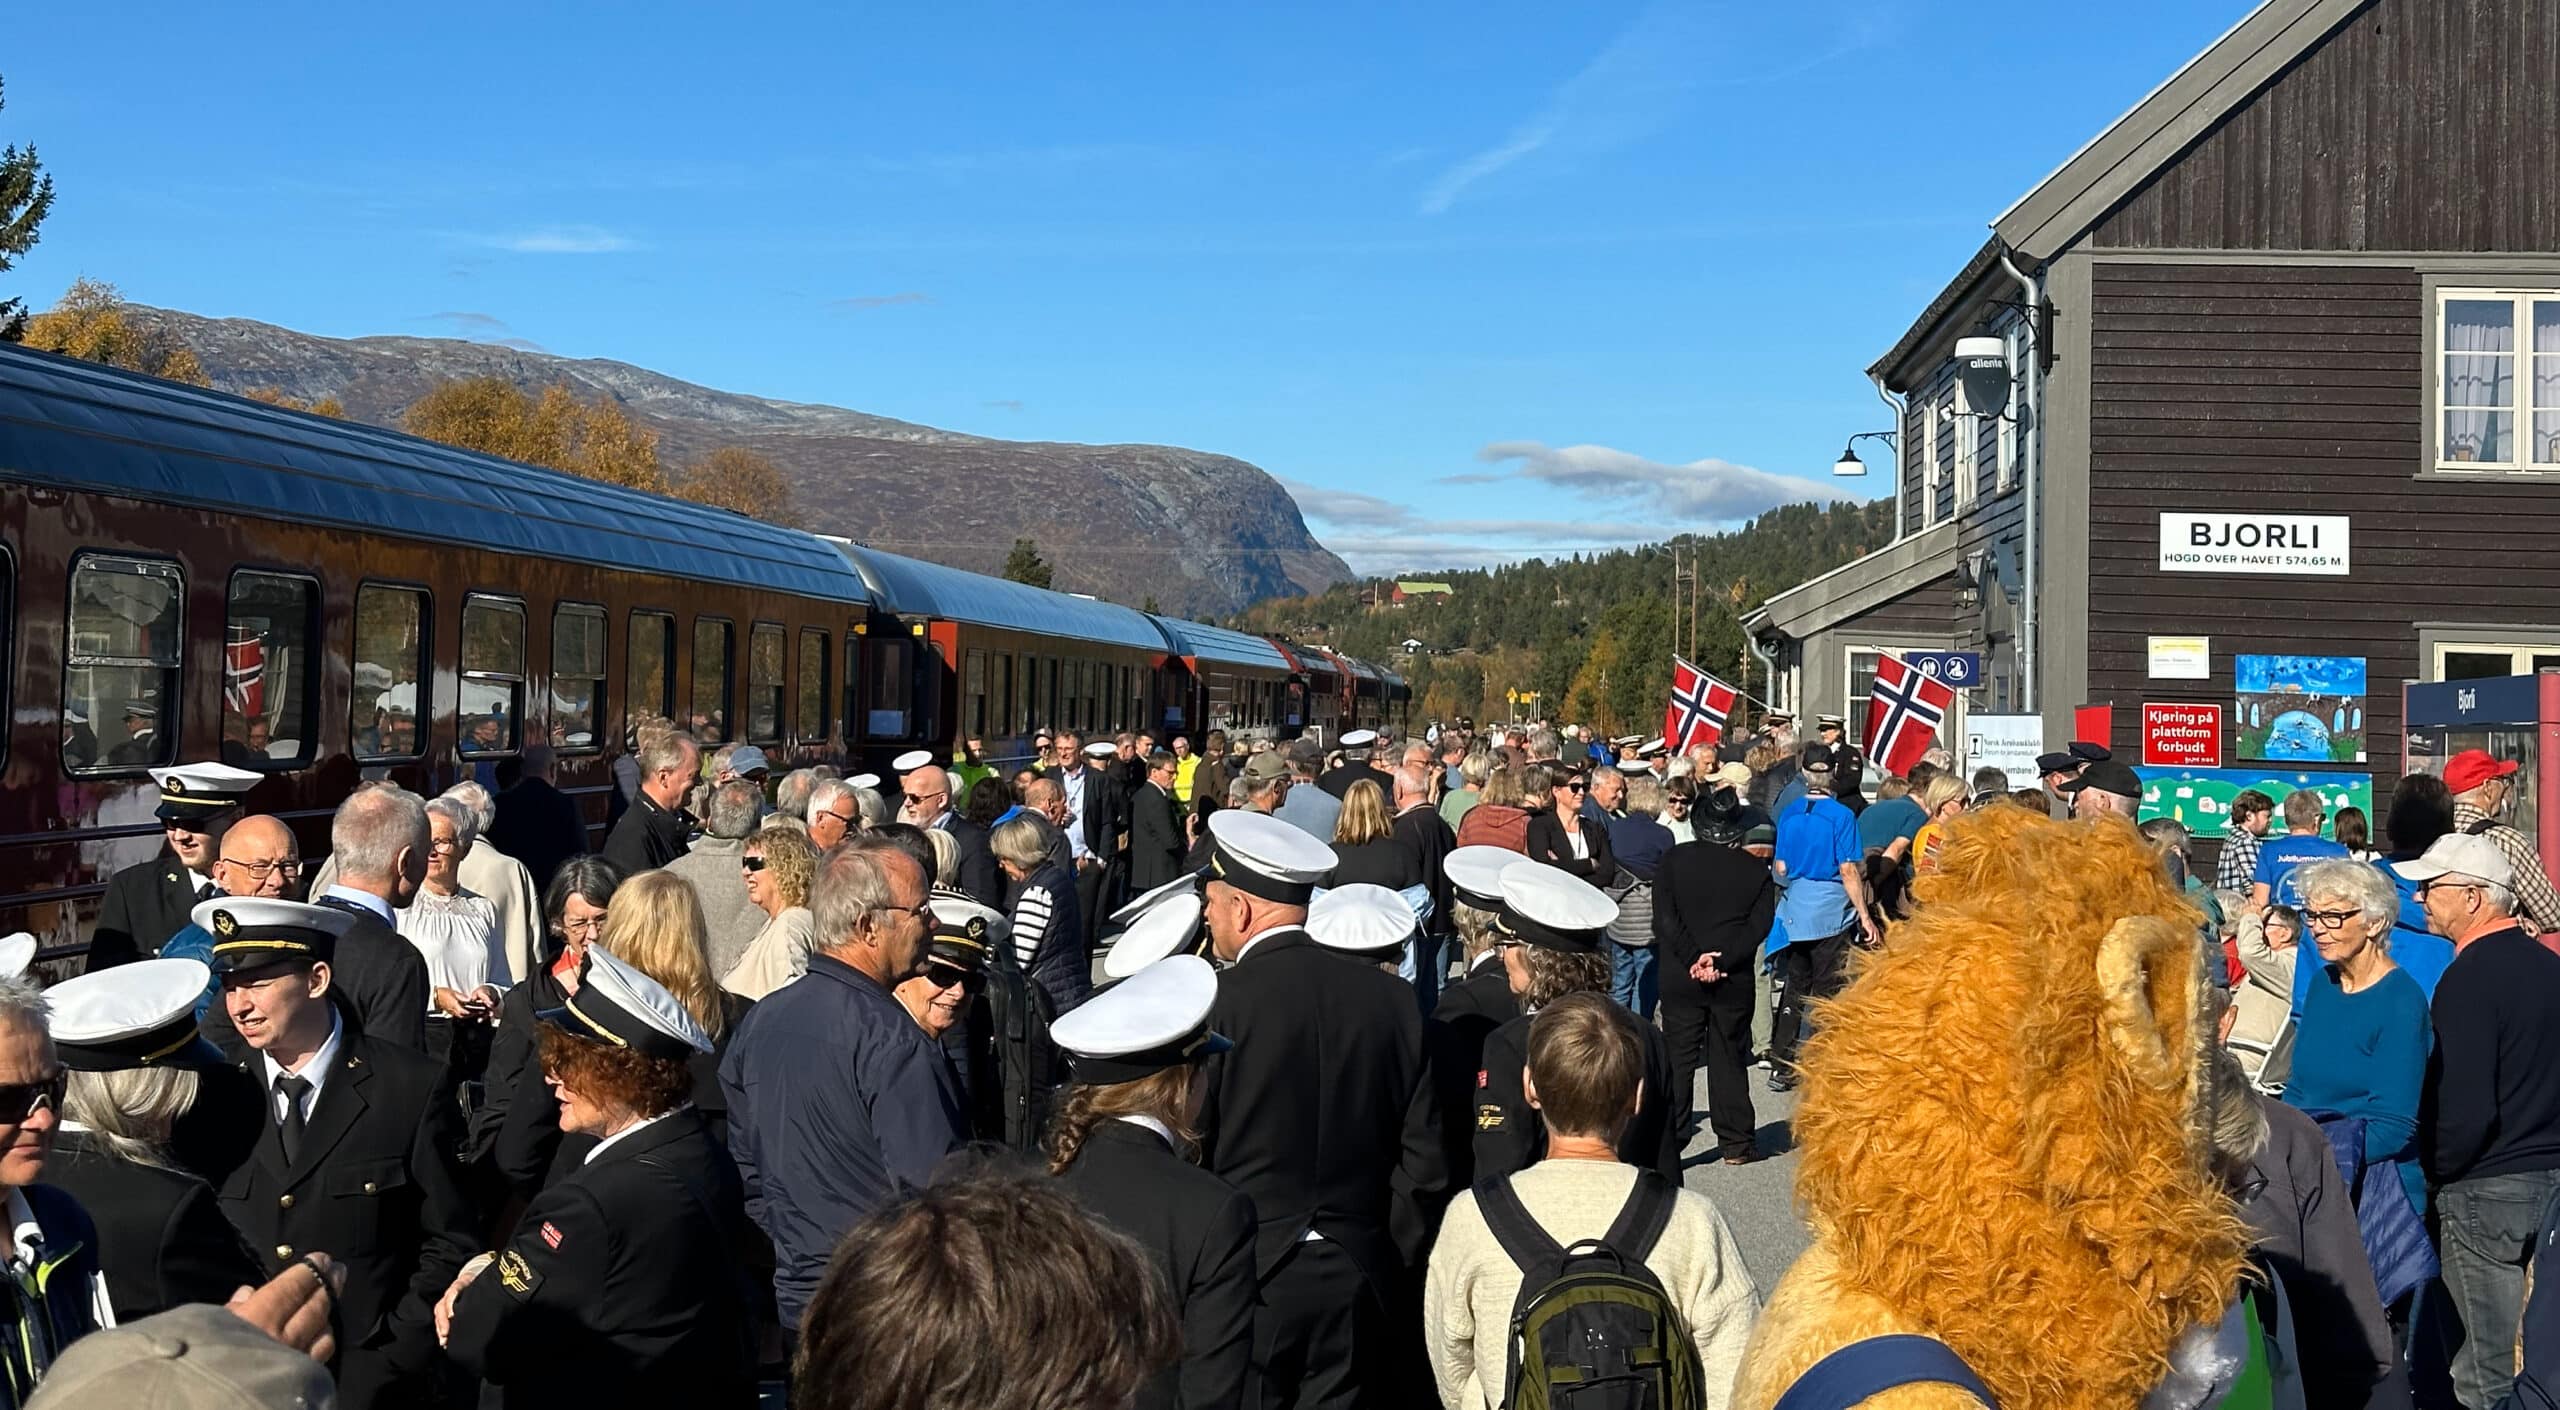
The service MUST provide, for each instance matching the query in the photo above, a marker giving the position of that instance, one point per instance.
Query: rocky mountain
(1205, 535)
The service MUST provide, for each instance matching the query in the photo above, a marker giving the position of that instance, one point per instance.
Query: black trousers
(1325, 1339)
(1810, 970)
(1710, 1024)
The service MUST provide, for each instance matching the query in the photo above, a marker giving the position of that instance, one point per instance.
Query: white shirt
(1258, 936)
(457, 935)
(1072, 781)
(1147, 1121)
(366, 899)
(315, 1069)
(633, 1127)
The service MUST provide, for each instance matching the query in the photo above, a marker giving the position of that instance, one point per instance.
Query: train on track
(188, 575)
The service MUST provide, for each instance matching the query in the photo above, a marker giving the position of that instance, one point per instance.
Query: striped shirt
(2534, 892)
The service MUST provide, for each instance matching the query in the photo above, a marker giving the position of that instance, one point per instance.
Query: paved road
(1758, 1201)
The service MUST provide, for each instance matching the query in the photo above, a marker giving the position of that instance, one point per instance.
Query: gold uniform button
(284, 1250)
(284, 1201)
(368, 1187)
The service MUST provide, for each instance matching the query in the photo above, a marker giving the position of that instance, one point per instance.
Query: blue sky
(1475, 281)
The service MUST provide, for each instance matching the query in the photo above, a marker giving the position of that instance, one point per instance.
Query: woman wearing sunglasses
(1564, 836)
(948, 1000)
(778, 865)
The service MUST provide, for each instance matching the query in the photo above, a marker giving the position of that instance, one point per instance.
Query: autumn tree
(26, 193)
(94, 323)
(740, 480)
(1025, 565)
(278, 396)
(595, 439)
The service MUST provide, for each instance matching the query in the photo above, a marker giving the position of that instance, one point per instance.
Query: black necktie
(207, 892)
(289, 1127)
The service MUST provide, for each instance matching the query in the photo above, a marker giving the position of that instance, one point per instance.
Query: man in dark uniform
(1308, 1118)
(622, 1285)
(656, 830)
(1155, 827)
(357, 1156)
(1712, 904)
(1357, 746)
(162, 1237)
(141, 743)
(1469, 1010)
(148, 903)
(1847, 760)
(1552, 911)
(379, 842)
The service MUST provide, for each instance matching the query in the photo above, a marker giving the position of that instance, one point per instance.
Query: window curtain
(2546, 381)
(2479, 377)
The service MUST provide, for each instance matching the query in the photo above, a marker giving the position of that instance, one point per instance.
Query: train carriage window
(887, 706)
(854, 724)
(390, 660)
(577, 677)
(492, 713)
(812, 717)
(120, 677)
(648, 668)
(1004, 693)
(973, 694)
(764, 683)
(713, 670)
(8, 638)
(269, 714)
(1033, 717)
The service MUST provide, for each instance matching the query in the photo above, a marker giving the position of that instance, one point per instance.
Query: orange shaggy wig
(2003, 1136)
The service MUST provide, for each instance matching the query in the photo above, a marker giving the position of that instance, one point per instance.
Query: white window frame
(1968, 431)
(2005, 457)
(2520, 654)
(1929, 466)
(2521, 408)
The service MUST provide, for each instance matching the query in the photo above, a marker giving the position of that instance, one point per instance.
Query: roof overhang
(1863, 585)
(2115, 164)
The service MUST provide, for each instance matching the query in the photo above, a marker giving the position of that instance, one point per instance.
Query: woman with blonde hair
(1365, 844)
(779, 866)
(1941, 800)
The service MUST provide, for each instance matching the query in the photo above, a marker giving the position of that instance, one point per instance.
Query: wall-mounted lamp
(1849, 463)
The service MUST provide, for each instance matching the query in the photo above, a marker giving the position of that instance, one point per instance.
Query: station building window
(577, 677)
(120, 676)
(270, 713)
(713, 669)
(764, 683)
(390, 662)
(493, 655)
(2497, 380)
(812, 701)
(2480, 660)
(648, 668)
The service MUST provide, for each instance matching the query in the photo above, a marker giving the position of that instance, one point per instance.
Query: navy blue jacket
(837, 1102)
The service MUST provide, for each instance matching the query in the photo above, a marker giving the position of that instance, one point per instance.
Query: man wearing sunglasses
(148, 903)
(929, 804)
(53, 1260)
(354, 1151)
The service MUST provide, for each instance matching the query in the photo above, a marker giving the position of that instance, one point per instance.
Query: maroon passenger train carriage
(188, 575)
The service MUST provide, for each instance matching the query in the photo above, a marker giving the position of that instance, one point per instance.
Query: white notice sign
(2253, 543)
(2181, 658)
(2007, 742)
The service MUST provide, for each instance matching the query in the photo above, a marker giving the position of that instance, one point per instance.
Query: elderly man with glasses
(2490, 1129)
(55, 1295)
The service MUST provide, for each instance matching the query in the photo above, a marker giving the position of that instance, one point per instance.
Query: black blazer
(1432, 840)
(1547, 844)
(376, 1188)
(979, 874)
(1453, 1050)
(162, 1239)
(1388, 861)
(1511, 1136)
(622, 1284)
(1106, 809)
(1710, 899)
(380, 980)
(144, 905)
(530, 1143)
(1308, 1114)
(1155, 838)
(539, 826)
(1199, 1231)
(517, 1147)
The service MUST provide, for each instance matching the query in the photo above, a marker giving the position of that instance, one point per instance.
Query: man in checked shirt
(2482, 787)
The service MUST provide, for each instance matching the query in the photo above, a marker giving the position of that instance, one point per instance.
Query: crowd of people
(1267, 1075)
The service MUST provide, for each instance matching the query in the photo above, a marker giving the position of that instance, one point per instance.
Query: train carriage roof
(1208, 643)
(914, 588)
(72, 423)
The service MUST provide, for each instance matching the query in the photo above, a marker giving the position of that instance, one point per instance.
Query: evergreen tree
(1025, 565)
(26, 193)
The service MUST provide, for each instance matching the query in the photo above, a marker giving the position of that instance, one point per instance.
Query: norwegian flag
(1699, 706)
(244, 672)
(1904, 711)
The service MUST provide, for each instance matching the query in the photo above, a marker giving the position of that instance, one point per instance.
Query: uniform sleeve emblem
(516, 1275)
(551, 1233)
(1489, 1117)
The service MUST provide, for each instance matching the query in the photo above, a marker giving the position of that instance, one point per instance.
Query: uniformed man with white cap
(1357, 747)
(355, 1149)
(622, 1285)
(1164, 922)
(147, 904)
(1847, 761)
(1551, 926)
(1121, 1146)
(127, 1036)
(1365, 921)
(1453, 1037)
(1307, 1117)
(989, 1018)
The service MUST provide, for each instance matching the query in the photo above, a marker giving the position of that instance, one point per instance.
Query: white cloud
(1716, 491)
(559, 240)
(1376, 535)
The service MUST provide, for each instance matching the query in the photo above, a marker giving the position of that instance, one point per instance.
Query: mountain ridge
(1226, 534)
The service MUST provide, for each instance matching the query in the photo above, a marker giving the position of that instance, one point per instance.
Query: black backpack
(1592, 1328)
(1029, 1068)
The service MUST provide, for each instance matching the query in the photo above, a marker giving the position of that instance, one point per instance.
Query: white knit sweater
(1466, 1304)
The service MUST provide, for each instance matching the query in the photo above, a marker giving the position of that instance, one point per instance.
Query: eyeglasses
(951, 976)
(2331, 920)
(2440, 884)
(592, 925)
(844, 819)
(1578, 786)
(444, 844)
(262, 870)
(928, 797)
(19, 1100)
(751, 863)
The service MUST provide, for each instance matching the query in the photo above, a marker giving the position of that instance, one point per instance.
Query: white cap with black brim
(132, 1016)
(1264, 857)
(1155, 1019)
(1169, 927)
(1553, 909)
(1361, 919)
(619, 1006)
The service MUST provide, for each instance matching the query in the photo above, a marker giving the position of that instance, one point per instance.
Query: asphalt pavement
(1757, 1200)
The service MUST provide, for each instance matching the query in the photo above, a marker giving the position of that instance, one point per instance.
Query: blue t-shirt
(1816, 838)
(2365, 1055)
(1885, 821)
(2420, 951)
(2280, 855)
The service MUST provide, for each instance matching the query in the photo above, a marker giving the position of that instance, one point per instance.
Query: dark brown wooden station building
(2273, 362)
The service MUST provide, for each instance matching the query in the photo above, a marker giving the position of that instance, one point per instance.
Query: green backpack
(1592, 1328)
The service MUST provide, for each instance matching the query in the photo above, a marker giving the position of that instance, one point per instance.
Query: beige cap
(196, 1357)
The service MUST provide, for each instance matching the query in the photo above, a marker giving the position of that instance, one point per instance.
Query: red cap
(2473, 767)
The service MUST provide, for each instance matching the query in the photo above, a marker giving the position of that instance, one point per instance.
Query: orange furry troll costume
(2003, 1133)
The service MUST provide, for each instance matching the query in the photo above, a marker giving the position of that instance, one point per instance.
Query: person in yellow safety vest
(1185, 765)
(967, 767)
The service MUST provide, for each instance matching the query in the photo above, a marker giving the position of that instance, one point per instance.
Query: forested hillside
(1592, 635)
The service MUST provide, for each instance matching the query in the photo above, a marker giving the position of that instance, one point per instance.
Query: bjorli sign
(2253, 543)
(2181, 735)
